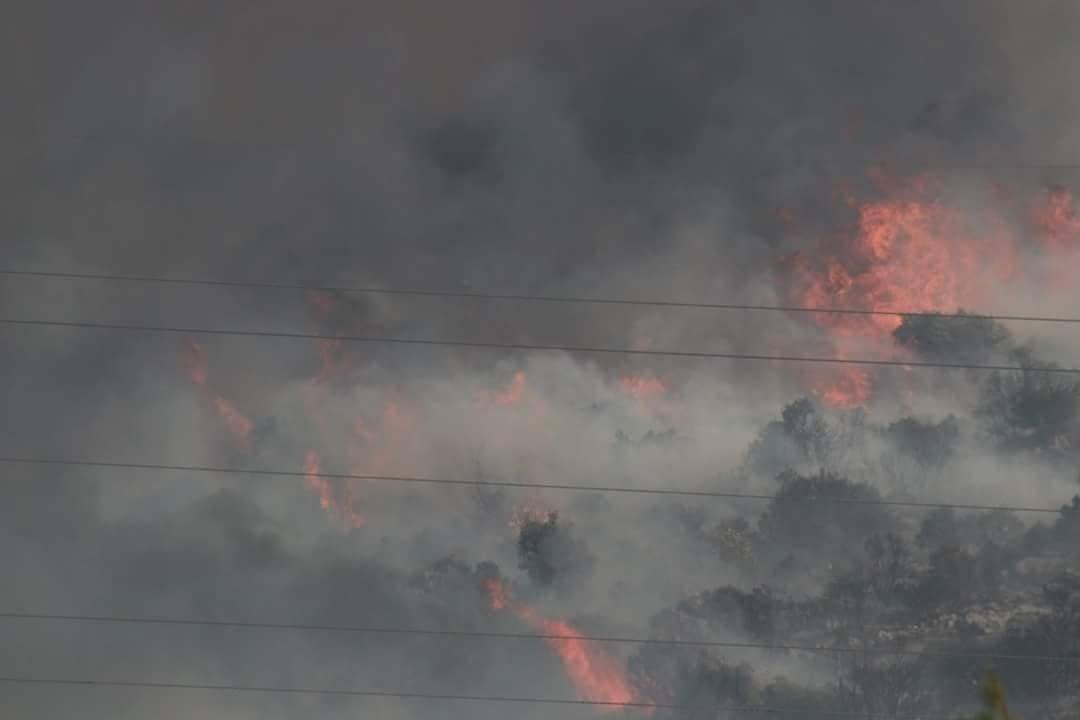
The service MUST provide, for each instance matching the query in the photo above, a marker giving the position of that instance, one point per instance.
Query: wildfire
(498, 597)
(846, 389)
(236, 421)
(909, 253)
(643, 387)
(510, 395)
(327, 500)
(193, 358)
(1056, 218)
(595, 675)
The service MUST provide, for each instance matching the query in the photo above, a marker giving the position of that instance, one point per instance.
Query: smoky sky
(616, 148)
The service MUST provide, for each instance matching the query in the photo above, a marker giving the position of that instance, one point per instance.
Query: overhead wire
(274, 689)
(527, 297)
(481, 345)
(480, 634)
(202, 469)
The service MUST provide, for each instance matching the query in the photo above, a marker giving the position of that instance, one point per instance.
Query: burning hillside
(913, 251)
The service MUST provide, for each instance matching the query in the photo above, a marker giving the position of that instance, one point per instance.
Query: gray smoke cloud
(607, 149)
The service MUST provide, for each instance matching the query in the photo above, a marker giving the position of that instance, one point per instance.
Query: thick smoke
(846, 153)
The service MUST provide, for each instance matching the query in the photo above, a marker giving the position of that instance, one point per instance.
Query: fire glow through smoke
(643, 387)
(596, 675)
(910, 251)
(196, 367)
(327, 497)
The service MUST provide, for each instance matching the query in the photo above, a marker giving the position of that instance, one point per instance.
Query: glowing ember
(510, 395)
(193, 358)
(498, 597)
(848, 388)
(327, 500)
(1057, 220)
(312, 468)
(643, 387)
(236, 421)
(596, 676)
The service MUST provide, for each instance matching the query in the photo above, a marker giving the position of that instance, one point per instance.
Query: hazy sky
(614, 148)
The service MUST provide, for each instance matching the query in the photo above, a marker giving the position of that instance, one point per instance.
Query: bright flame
(595, 675)
(909, 255)
(906, 253)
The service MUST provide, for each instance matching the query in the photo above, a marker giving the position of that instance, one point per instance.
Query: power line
(123, 327)
(517, 484)
(375, 630)
(449, 697)
(521, 297)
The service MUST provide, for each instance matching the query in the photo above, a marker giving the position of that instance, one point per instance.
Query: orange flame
(907, 253)
(849, 388)
(193, 358)
(321, 486)
(595, 675)
(1057, 220)
(236, 421)
(312, 468)
(643, 387)
(510, 395)
(910, 255)
(498, 596)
